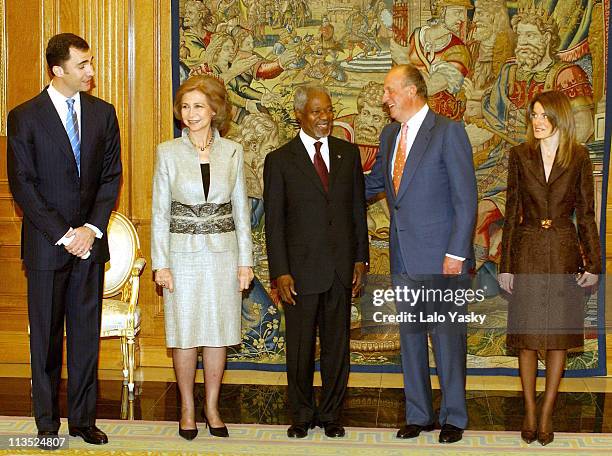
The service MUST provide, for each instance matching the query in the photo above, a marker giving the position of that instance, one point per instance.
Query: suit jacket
(178, 179)
(434, 211)
(44, 180)
(311, 234)
(527, 248)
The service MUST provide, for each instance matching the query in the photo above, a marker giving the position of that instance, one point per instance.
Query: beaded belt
(207, 218)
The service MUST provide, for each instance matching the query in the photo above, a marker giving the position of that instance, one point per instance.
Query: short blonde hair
(216, 95)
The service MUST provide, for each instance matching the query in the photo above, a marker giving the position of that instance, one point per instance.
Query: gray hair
(300, 96)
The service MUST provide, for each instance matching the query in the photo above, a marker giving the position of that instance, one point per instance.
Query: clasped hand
(82, 240)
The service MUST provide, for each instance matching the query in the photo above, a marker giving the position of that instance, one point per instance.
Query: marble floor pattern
(372, 407)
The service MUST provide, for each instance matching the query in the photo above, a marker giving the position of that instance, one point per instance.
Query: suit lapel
(87, 121)
(555, 172)
(302, 161)
(52, 123)
(392, 138)
(336, 158)
(536, 167)
(418, 149)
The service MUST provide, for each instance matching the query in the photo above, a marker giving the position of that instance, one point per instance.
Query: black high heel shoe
(216, 431)
(188, 434)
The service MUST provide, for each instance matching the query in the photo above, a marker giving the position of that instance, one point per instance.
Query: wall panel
(131, 44)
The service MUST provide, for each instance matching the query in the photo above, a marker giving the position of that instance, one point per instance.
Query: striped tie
(72, 128)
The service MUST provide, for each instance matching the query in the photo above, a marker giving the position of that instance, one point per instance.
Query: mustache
(528, 47)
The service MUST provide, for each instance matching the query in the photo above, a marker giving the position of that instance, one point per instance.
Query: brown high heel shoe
(529, 436)
(545, 437)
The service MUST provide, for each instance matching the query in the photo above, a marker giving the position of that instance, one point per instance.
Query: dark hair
(58, 48)
(216, 95)
(558, 110)
(412, 76)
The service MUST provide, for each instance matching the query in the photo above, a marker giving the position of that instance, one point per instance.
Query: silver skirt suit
(202, 241)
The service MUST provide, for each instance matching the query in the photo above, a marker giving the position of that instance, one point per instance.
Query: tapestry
(482, 61)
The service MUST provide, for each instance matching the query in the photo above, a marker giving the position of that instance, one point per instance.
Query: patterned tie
(72, 128)
(400, 158)
(319, 165)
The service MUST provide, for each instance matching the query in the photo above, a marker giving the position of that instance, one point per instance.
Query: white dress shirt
(414, 124)
(59, 102)
(309, 144)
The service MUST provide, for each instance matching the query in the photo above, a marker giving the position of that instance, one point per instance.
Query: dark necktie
(319, 165)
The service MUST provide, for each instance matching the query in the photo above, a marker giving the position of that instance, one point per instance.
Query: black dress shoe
(333, 429)
(450, 434)
(216, 431)
(410, 431)
(298, 430)
(91, 434)
(188, 434)
(47, 440)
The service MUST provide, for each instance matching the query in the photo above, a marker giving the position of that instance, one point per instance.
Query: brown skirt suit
(545, 249)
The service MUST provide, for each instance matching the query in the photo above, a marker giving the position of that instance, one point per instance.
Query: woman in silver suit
(201, 243)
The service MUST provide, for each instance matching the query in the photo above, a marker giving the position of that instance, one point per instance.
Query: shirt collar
(415, 122)
(58, 98)
(308, 140)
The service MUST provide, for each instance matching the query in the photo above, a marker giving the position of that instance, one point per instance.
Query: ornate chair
(120, 311)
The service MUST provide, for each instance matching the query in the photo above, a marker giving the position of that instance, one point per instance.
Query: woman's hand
(163, 278)
(586, 279)
(245, 276)
(506, 281)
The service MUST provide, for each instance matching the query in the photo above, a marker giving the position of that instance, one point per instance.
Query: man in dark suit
(316, 236)
(424, 165)
(64, 170)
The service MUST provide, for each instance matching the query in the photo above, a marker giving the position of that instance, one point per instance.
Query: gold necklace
(208, 144)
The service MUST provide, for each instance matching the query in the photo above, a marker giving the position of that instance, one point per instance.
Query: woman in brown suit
(546, 262)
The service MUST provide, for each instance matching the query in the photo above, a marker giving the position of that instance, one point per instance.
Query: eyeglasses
(535, 116)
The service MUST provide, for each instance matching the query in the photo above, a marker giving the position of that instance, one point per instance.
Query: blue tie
(72, 128)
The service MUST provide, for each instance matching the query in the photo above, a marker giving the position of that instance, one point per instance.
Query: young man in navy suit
(424, 165)
(64, 170)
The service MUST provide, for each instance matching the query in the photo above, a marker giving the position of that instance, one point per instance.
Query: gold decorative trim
(3, 66)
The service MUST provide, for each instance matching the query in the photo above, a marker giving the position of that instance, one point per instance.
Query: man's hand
(245, 276)
(82, 240)
(506, 281)
(286, 288)
(163, 278)
(359, 271)
(451, 266)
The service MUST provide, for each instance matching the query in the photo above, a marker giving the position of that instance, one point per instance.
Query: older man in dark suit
(424, 165)
(316, 236)
(64, 170)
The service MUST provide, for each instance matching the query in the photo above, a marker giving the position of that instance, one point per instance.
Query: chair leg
(131, 362)
(124, 354)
